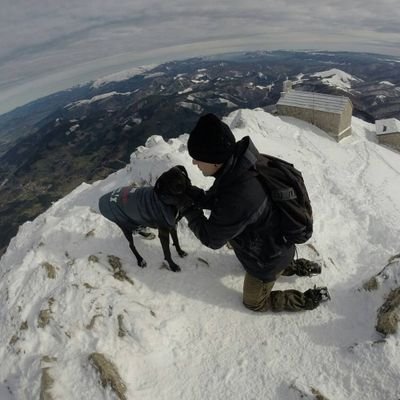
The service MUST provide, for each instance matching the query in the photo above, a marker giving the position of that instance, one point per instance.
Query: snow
(336, 77)
(387, 83)
(391, 60)
(387, 126)
(227, 102)
(187, 90)
(191, 106)
(196, 81)
(72, 129)
(122, 75)
(96, 98)
(299, 79)
(180, 76)
(154, 75)
(268, 87)
(187, 335)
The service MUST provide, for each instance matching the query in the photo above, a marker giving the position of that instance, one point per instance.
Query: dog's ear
(173, 182)
(183, 169)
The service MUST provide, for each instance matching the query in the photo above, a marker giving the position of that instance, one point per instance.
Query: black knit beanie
(211, 140)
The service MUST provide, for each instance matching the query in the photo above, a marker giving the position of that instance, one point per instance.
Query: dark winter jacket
(243, 215)
(134, 207)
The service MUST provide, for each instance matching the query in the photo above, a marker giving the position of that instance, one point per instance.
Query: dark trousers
(259, 296)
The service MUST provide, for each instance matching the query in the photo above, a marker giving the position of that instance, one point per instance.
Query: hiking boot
(303, 267)
(314, 297)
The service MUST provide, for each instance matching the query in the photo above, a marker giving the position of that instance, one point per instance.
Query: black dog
(155, 207)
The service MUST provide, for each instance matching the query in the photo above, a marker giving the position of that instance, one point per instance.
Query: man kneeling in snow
(243, 215)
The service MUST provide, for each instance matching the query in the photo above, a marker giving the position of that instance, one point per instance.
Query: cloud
(48, 37)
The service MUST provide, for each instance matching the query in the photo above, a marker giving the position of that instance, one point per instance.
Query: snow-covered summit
(186, 335)
(337, 78)
(94, 99)
(122, 75)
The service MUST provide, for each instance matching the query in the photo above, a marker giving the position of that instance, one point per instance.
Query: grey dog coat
(132, 208)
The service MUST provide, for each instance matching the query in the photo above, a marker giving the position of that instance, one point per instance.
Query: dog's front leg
(175, 241)
(163, 234)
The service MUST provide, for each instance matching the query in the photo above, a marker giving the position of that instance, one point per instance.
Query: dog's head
(172, 184)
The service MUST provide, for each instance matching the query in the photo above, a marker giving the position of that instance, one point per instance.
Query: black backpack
(285, 185)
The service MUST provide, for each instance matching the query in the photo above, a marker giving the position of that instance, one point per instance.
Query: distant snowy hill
(337, 78)
(186, 335)
(122, 75)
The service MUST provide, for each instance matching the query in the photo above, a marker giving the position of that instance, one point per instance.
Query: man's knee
(261, 306)
(256, 294)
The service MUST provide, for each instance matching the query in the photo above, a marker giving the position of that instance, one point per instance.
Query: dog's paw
(182, 253)
(175, 268)
(142, 264)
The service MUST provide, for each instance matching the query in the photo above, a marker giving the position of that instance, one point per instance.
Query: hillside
(186, 335)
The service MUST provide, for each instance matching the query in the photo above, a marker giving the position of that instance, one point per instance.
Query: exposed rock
(93, 259)
(119, 273)
(90, 233)
(115, 262)
(308, 393)
(385, 274)
(44, 318)
(389, 313)
(318, 395)
(108, 374)
(46, 382)
(50, 269)
(13, 340)
(45, 315)
(92, 321)
(88, 286)
(121, 328)
(371, 284)
(24, 326)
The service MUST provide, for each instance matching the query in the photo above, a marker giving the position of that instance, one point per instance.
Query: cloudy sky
(47, 45)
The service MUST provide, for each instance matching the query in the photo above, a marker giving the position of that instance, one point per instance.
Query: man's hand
(184, 202)
(195, 193)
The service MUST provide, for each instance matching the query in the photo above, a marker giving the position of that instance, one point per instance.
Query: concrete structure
(286, 87)
(388, 132)
(330, 113)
